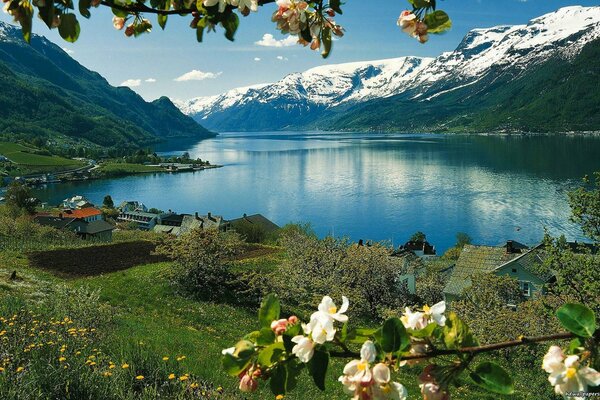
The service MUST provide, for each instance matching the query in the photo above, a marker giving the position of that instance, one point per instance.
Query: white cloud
(269, 40)
(68, 51)
(256, 58)
(132, 82)
(195, 75)
(150, 80)
(282, 58)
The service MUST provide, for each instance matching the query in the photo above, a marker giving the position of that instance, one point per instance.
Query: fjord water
(374, 186)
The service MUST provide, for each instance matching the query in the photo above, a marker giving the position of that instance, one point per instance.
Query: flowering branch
(283, 347)
(469, 350)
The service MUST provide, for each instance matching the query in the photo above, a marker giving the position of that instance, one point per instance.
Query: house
(88, 214)
(513, 259)
(144, 220)
(196, 221)
(420, 248)
(257, 220)
(95, 229)
(132, 206)
(76, 202)
(170, 224)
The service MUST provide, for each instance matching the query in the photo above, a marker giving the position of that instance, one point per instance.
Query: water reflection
(382, 187)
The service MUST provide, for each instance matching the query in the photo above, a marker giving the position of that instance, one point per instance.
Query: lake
(374, 186)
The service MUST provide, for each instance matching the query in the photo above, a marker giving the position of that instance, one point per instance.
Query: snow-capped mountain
(325, 96)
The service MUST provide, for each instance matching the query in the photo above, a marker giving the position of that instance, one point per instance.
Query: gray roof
(529, 261)
(475, 260)
(97, 226)
(173, 230)
(141, 214)
(191, 222)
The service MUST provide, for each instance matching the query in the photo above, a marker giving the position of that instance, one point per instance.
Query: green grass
(118, 169)
(23, 155)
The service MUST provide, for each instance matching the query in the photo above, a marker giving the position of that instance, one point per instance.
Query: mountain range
(540, 77)
(46, 93)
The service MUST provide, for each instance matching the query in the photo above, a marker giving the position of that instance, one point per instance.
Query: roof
(53, 221)
(95, 227)
(475, 260)
(256, 219)
(140, 214)
(529, 262)
(173, 218)
(174, 230)
(83, 212)
(191, 222)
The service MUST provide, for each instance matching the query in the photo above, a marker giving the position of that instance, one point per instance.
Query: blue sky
(157, 59)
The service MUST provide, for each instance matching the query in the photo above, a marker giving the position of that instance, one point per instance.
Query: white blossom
(567, 375)
(304, 348)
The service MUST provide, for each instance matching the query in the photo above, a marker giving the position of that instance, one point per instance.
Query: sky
(171, 63)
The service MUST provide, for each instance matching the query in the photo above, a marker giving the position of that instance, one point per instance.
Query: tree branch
(471, 350)
(143, 8)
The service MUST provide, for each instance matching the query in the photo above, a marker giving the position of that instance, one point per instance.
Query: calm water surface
(374, 186)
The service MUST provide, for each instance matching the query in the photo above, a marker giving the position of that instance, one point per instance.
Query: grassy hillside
(28, 160)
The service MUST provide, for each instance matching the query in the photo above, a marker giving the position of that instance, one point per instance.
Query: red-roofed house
(88, 214)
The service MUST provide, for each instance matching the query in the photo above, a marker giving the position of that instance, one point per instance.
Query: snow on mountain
(480, 53)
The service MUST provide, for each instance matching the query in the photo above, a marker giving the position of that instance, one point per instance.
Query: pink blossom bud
(248, 384)
(118, 22)
(293, 319)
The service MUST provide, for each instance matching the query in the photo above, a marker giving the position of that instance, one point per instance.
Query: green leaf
(306, 35)
(290, 332)
(284, 377)
(270, 354)
(231, 24)
(199, 33)
(335, 6)
(269, 310)
(437, 22)
(326, 39)
(423, 333)
(575, 346)
(244, 349)
(359, 336)
(394, 336)
(493, 378)
(265, 337)
(84, 8)
(26, 16)
(234, 365)
(69, 27)
(119, 13)
(457, 334)
(420, 3)
(317, 367)
(577, 319)
(162, 20)
(47, 13)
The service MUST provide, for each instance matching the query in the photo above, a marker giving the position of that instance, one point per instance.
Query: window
(514, 270)
(525, 288)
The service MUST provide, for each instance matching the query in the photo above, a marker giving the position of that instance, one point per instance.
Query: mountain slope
(46, 92)
(542, 76)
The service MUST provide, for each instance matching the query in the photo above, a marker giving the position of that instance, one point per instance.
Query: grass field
(148, 312)
(112, 169)
(23, 155)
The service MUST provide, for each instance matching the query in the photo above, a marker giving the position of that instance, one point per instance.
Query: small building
(513, 259)
(76, 202)
(96, 229)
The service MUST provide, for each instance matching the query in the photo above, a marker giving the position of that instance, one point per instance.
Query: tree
(19, 199)
(108, 202)
(462, 239)
(310, 21)
(418, 237)
(585, 206)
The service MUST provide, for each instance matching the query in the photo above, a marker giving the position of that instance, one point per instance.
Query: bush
(314, 268)
(202, 261)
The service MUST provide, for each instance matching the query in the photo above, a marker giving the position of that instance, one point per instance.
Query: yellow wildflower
(140, 377)
(61, 359)
(183, 378)
(180, 358)
(20, 369)
(171, 376)
(125, 366)
(165, 358)
(194, 385)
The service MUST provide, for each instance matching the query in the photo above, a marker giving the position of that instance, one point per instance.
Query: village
(511, 258)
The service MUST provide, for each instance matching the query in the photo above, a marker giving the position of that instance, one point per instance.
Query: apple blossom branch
(142, 8)
(470, 350)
